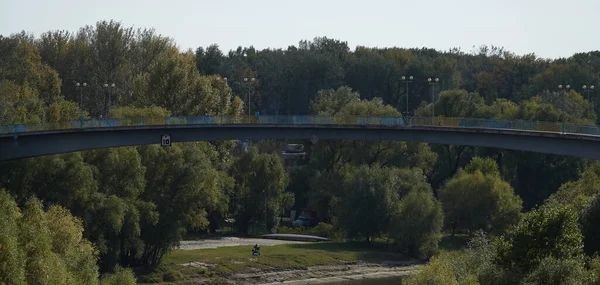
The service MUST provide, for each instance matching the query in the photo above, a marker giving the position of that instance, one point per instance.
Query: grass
(287, 256)
(238, 259)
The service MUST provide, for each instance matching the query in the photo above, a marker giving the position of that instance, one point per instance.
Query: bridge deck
(27, 141)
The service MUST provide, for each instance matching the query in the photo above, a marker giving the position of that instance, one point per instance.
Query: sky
(548, 28)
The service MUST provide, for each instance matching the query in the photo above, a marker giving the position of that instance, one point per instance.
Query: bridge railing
(401, 122)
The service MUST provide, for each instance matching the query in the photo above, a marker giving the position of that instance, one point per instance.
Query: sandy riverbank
(348, 271)
(323, 274)
(231, 241)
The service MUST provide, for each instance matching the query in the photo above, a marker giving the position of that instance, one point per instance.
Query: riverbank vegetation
(529, 216)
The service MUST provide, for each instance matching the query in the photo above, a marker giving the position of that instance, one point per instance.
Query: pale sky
(548, 28)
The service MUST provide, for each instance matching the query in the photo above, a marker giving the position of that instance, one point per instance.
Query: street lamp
(248, 96)
(80, 86)
(410, 79)
(588, 90)
(566, 87)
(112, 87)
(433, 83)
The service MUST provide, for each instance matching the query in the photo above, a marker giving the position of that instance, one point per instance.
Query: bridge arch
(17, 145)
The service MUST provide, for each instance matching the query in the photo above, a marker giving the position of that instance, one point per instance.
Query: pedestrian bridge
(22, 141)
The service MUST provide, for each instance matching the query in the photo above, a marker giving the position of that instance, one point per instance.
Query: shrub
(322, 229)
(555, 271)
(120, 277)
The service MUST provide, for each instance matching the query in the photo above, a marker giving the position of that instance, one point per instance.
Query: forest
(91, 217)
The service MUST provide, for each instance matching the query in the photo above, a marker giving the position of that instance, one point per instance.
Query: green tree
(21, 63)
(12, 256)
(579, 193)
(259, 184)
(368, 203)
(44, 247)
(457, 104)
(20, 104)
(208, 62)
(549, 231)
(417, 224)
(183, 186)
(114, 216)
(589, 221)
(477, 198)
(559, 271)
(328, 158)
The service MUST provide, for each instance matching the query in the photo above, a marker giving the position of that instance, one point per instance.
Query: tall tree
(259, 182)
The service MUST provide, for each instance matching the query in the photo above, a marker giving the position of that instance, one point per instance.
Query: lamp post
(410, 79)
(433, 83)
(248, 95)
(588, 90)
(112, 87)
(567, 88)
(81, 86)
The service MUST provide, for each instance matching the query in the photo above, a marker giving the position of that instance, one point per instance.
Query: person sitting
(256, 250)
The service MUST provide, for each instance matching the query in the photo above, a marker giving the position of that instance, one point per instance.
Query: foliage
(12, 256)
(439, 271)
(416, 226)
(478, 265)
(144, 112)
(44, 247)
(589, 226)
(368, 189)
(477, 198)
(558, 271)
(259, 182)
(321, 229)
(120, 277)
(578, 193)
(550, 231)
(183, 190)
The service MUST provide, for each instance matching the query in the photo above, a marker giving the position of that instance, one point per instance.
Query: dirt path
(230, 241)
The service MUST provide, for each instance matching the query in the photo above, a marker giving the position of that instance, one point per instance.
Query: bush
(328, 231)
(442, 270)
(120, 277)
(555, 271)
(288, 230)
(322, 229)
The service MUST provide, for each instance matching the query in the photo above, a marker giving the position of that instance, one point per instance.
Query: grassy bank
(213, 265)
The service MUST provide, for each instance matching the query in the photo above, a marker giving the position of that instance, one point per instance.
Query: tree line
(134, 204)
